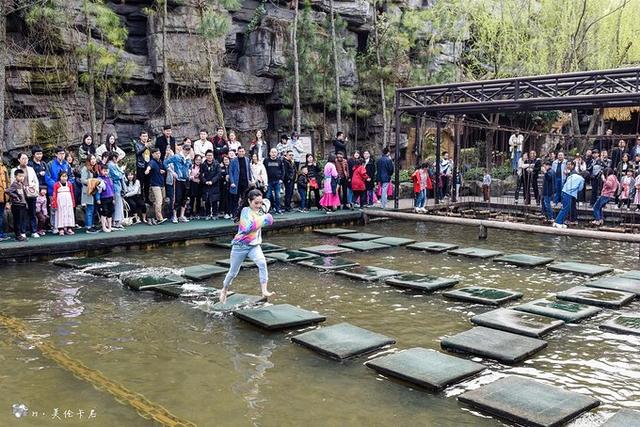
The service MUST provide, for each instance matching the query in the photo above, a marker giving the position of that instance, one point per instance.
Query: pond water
(222, 371)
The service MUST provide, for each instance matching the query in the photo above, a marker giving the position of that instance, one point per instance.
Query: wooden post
(436, 198)
(396, 200)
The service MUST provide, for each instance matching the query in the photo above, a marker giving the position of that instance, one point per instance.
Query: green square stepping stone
(224, 244)
(142, 283)
(393, 241)
(475, 252)
(360, 236)
(434, 247)
(502, 346)
(517, 322)
(617, 283)
(342, 341)
(625, 324)
(247, 263)
(280, 316)
(329, 263)
(579, 268)
(234, 302)
(326, 250)
(523, 260)
(528, 402)
(292, 256)
(202, 271)
(189, 291)
(482, 295)
(363, 246)
(563, 310)
(427, 368)
(632, 274)
(76, 262)
(421, 282)
(594, 296)
(624, 418)
(368, 273)
(333, 231)
(113, 270)
(270, 247)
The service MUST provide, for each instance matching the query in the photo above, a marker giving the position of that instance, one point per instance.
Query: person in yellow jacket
(4, 197)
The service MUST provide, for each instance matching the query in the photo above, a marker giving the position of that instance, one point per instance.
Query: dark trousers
(359, 196)
(145, 183)
(445, 185)
(136, 205)
(31, 222)
(19, 213)
(235, 202)
(343, 184)
(534, 187)
(195, 198)
(288, 194)
(596, 185)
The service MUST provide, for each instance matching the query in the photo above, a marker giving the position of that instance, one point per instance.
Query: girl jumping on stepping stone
(246, 242)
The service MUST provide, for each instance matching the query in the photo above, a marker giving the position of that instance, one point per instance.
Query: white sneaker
(183, 219)
(556, 225)
(227, 216)
(35, 235)
(174, 220)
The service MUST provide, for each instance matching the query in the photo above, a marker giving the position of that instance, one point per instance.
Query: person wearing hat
(165, 140)
(181, 162)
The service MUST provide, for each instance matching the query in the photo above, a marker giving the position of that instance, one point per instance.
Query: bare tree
(3, 61)
(166, 95)
(335, 67)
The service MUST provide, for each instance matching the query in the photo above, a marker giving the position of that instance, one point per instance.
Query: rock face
(47, 103)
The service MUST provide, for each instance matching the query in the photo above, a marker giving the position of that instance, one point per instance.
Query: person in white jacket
(295, 145)
(110, 145)
(259, 173)
(32, 188)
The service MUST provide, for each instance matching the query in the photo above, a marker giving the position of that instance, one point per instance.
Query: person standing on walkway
(31, 187)
(18, 200)
(275, 176)
(89, 171)
(330, 199)
(4, 197)
(370, 166)
(246, 243)
(547, 190)
(340, 144)
(558, 167)
(63, 201)
(572, 186)
(289, 179)
(240, 178)
(156, 173)
(343, 179)
(164, 141)
(385, 171)
(446, 170)
(210, 179)
(609, 189)
(143, 156)
(315, 180)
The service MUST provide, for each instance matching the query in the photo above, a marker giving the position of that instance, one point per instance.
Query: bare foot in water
(223, 295)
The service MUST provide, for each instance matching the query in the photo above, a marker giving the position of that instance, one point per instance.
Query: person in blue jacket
(384, 168)
(240, 178)
(54, 168)
(181, 162)
(572, 186)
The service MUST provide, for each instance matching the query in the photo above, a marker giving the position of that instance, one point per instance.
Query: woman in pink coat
(330, 198)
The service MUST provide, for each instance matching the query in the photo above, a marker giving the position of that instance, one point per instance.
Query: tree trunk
(3, 61)
(335, 67)
(214, 92)
(383, 101)
(296, 72)
(91, 82)
(166, 96)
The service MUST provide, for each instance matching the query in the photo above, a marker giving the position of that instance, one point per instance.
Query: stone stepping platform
(234, 302)
(426, 368)
(393, 241)
(247, 263)
(502, 346)
(291, 256)
(331, 263)
(202, 271)
(78, 263)
(483, 295)
(524, 260)
(579, 268)
(624, 418)
(517, 322)
(475, 253)
(368, 273)
(625, 324)
(114, 270)
(281, 316)
(616, 283)
(434, 247)
(360, 236)
(333, 231)
(563, 310)
(143, 283)
(266, 247)
(342, 341)
(326, 250)
(363, 245)
(528, 402)
(632, 274)
(189, 291)
(421, 282)
(594, 296)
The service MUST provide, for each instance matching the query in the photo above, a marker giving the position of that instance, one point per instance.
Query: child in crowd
(104, 199)
(486, 186)
(63, 201)
(18, 199)
(303, 188)
(133, 197)
(42, 212)
(359, 183)
(626, 184)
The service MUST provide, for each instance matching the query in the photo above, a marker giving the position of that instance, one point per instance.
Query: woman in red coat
(359, 182)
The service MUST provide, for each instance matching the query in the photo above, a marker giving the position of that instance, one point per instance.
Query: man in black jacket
(289, 179)
(340, 144)
(275, 175)
(210, 178)
(143, 156)
(165, 140)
